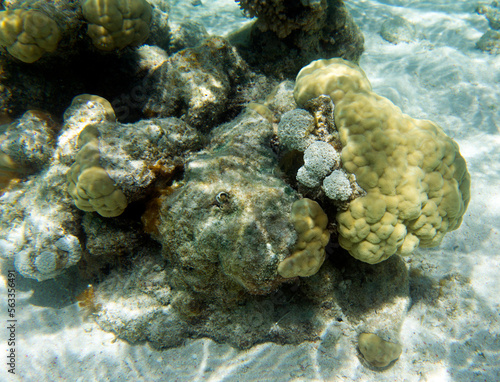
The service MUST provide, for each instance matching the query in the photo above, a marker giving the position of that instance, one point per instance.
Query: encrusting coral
(416, 181)
(309, 147)
(28, 34)
(27, 143)
(200, 83)
(40, 230)
(89, 185)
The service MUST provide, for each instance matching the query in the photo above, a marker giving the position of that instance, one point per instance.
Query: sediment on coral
(353, 298)
(199, 83)
(239, 210)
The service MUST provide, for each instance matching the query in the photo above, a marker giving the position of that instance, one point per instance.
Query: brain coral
(417, 183)
(115, 24)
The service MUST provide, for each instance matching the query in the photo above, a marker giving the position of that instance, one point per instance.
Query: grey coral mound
(337, 186)
(239, 210)
(319, 160)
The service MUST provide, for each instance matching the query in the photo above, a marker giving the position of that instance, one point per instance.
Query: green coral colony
(242, 209)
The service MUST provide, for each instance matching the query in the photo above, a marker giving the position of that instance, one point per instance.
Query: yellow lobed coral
(417, 183)
(310, 223)
(115, 24)
(376, 351)
(28, 34)
(98, 101)
(89, 184)
(333, 77)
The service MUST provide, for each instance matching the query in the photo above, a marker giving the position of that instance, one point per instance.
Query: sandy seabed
(440, 76)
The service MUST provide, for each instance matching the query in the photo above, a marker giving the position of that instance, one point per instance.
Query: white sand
(441, 77)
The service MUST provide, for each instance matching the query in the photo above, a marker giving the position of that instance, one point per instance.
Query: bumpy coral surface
(89, 184)
(325, 77)
(40, 226)
(28, 34)
(320, 158)
(310, 223)
(416, 181)
(492, 13)
(115, 24)
(36, 227)
(337, 186)
(294, 130)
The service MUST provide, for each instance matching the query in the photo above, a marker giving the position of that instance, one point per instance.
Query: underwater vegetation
(257, 191)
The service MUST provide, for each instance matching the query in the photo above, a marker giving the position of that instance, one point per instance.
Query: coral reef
(123, 236)
(491, 12)
(416, 181)
(337, 186)
(89, 184)
(320, 158)
(489, 42)
(294, 130)
(27, 143)
(289, 34)
(69, 57)
(347, 297)
(310, 149)
(186, 34)
(225, 201)
(40, 228)
(119, 160)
